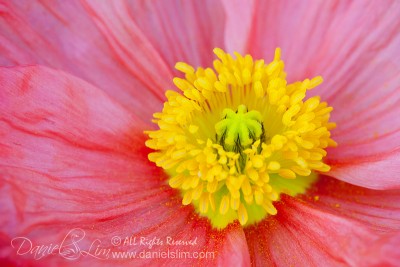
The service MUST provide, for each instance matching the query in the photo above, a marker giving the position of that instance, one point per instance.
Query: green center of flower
(238, 130)
(234, 167)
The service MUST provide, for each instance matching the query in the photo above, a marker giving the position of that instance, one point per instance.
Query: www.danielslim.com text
(169, 254)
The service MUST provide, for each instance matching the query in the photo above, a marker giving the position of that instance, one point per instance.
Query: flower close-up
(199, 133)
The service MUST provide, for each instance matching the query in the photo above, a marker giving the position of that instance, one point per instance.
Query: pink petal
(69, 36)
(327, 38)
(301, 235)
(235, 251)
(355, 47)
(381, 171)
(180, 30)
(385, 252)
(74, 160)
(378, 209)
(239, 16)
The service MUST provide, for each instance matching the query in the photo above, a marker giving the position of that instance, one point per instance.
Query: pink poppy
(80, 81)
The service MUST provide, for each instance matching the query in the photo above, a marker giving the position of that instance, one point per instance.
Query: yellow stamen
(238, 136)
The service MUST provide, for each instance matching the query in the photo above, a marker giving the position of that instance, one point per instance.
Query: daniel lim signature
(70, 248)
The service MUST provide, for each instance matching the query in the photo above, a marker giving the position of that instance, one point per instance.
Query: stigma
(238, 136)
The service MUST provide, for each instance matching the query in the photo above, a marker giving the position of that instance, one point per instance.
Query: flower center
(238, 130)
(240, 136)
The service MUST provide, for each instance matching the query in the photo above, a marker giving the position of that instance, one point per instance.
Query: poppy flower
(240, 167)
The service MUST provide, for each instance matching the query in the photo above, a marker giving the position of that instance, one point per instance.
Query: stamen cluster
(235, 132)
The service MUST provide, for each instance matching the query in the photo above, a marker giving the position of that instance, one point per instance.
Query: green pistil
(238, 130)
